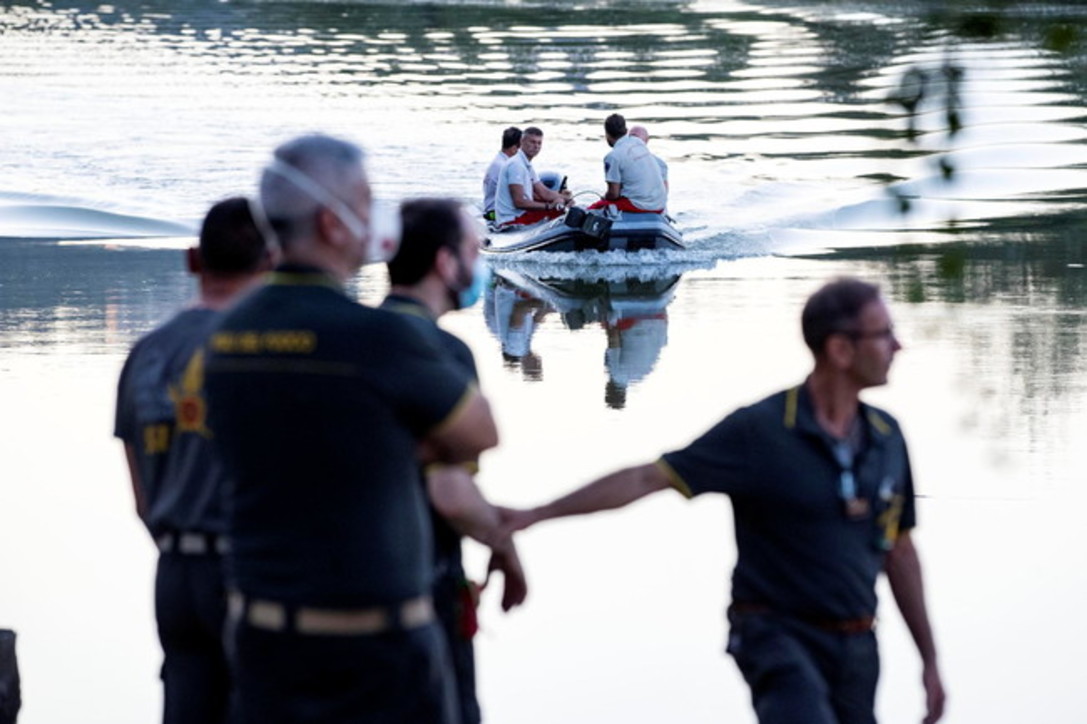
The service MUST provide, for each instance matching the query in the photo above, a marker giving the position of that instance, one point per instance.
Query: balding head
(639, 132)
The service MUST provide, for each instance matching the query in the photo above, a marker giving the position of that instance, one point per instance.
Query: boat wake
(37, 217)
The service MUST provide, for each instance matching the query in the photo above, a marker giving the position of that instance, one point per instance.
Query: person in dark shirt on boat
(436, 270)
(179, 481)
(521, 198)
(632, 173)
(511, 143)
(323, 409)
(823, 501)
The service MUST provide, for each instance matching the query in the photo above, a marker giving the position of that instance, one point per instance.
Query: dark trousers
(396, 677)
(10, 696)
(801, 674)
(190, 606)
(450, 604)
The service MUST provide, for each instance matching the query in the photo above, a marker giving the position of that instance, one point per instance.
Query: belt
(861, 624)
(193, 543)
(281, 617)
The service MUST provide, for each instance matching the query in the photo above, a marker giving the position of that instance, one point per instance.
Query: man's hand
(512, 520)
(515, 586)
(935, 697)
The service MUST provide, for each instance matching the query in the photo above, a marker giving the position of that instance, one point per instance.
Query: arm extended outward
(612, 491)
(903, 567)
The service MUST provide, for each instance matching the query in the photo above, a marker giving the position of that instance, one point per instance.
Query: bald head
(639, 132)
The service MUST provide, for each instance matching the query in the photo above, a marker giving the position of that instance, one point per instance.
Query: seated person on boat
(521, 198)
(511, 143)
(632, 173)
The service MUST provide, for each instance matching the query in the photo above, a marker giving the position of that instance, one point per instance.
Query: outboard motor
(587, 222)
(575, 216)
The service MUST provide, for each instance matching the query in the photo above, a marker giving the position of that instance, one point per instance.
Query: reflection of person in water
(512, 315)
(634, 345)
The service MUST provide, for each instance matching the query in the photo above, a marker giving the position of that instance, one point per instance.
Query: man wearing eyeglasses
(823, 502)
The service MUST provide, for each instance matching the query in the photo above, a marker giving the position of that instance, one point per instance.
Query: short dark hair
(426, 225)
(511, 136)
(533, 131)
(615, 125)
(835, 308)
(230, 242)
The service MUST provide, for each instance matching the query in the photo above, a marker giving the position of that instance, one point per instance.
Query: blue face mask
(472, 290)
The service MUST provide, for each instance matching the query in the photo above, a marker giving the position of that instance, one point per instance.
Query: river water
(800, 147)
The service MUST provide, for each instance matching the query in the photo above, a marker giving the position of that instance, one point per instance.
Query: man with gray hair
(323, 409)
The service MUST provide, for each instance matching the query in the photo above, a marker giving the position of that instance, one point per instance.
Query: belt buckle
(192, 544)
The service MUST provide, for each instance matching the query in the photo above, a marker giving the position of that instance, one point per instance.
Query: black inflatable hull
(581, 231)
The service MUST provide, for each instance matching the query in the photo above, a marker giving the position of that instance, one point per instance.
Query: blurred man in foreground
(437, 270)
(178, 479)
(321, 406)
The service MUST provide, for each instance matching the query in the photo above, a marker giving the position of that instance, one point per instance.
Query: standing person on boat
(322, 408)
(521, 198)
(823, 501)
(436, 270)
(511, 143)
(178, 479)
(633, 176)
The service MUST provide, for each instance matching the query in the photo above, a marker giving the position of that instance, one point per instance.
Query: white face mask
(379, 247)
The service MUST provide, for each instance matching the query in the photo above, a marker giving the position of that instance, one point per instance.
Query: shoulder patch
(881, 425)
(792, 402)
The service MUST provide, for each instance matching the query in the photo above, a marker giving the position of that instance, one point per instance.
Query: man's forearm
(903, 568)
(904, 574)
(454, 494)
(609, 492)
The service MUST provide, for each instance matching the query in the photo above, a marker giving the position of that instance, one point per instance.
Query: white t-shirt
(663, 168)
(515, 334)
(490, 180)
(518, 170)
(640, 345)
(635, 169)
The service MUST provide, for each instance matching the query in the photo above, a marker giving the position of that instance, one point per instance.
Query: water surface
(796, 153)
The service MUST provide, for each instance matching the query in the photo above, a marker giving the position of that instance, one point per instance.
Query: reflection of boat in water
(630, 310)
(606, 229)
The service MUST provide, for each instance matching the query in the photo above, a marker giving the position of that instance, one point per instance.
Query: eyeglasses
(857, 335)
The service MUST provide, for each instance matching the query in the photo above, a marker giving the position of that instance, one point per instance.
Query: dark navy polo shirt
(161, 414)
(798, 550)
(419, 316)
(318, 404)
(447, 550)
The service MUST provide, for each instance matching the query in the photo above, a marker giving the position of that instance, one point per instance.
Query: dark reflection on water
(630, 309)
(1023, 330)
(1037, 264)
(84, 298)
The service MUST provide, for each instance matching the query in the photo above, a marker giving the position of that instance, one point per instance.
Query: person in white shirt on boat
(633, 176)
(521, 198)
(643, 133)
(511, 143)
